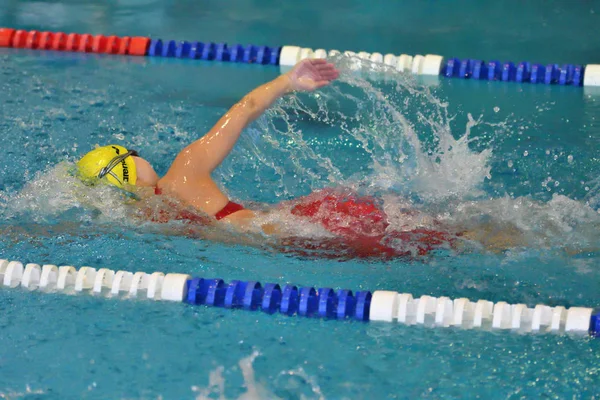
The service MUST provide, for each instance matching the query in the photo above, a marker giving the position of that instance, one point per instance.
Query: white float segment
(139, 281)
(376, 58)
(155, 285)
(121, 282)
(104, 279)
(320, 53)
(31, 276)
(559, 316)
(403, 302)
(13, 274)
(49, 277)
(384, 306)
(432, 65)
(426, 305)
(85, 278)
(517, 313)
(3, 265)
(174, 287)
(591, 76)
(289, 55)
(66, 277)
(578, 319)
(444, 312)
(390, 60)
(417, 64)
(306, 53)
(404, 63)
(459, 308)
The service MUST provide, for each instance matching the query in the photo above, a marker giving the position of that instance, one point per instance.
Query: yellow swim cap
(113, 162)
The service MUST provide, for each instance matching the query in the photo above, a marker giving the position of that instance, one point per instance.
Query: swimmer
(189, 181)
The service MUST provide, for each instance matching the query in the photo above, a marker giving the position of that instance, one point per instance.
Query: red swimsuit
(361, 228)
(359, 224)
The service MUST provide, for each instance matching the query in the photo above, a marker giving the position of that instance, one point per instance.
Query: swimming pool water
(56, 106)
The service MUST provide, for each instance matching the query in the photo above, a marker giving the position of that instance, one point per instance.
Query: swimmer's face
(146, 176)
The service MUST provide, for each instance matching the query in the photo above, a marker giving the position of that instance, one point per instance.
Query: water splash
(379, 135)
(58, 194)
(294, 383)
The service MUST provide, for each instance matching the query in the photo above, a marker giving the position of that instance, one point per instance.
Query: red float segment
(112, 44)
(72, 42)
(45, 42)
(124, 46)
(59, 42)
(32, 40)
(85, 43)
(139, 46)
(6, 37)
(99, 44)
(19, 39)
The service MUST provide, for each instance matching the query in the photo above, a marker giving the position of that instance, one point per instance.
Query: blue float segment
(169, 49)
(363, 304)
(155, 48)
(308, 303)
(451, 68)
(289, 300)
(595, 323)
(523, 72)
(346, 304)
(192, 289)
(234, 295)
(274, 56)
(249, 54)
(494, 70)
(465, 69)
(236, 53)
(327, 303)
(479, 70)
(253, 296)
(578, 71)
(183, 50)
(208, 52)
(221, 52)
(551, 75)
(508, 72)
(271, 300)
(215, 295)
(538, 72)
(196, 50)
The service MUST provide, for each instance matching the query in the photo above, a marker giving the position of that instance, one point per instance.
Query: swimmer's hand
(312, 74)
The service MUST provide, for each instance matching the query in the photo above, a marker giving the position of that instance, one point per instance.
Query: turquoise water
(56, 106)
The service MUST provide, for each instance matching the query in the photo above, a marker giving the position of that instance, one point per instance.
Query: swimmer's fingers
(311, 74)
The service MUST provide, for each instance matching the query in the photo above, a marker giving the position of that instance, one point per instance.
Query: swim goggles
(114, 162)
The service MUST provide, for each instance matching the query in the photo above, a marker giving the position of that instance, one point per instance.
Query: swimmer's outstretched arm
(201, 157)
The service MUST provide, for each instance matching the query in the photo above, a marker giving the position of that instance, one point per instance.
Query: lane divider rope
(309, 302)
(287, 56)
